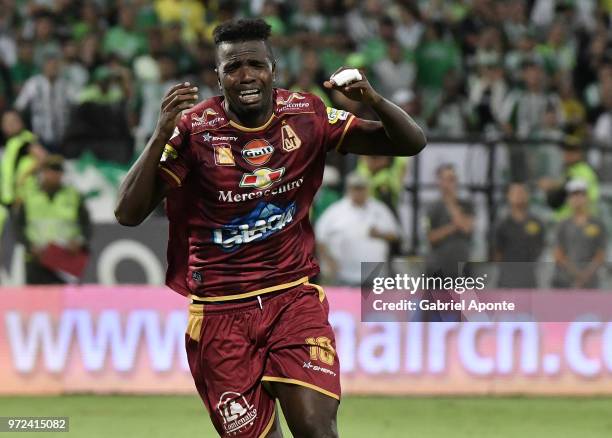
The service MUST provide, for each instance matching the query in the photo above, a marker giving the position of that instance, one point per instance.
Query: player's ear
(273, 70)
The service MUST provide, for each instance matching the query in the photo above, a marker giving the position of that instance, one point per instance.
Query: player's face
(245, 73)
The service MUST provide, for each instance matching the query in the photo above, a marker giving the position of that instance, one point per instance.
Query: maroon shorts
(233, 347)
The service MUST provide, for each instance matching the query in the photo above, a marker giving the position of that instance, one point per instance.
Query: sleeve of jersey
(338, 123)
(173, 165)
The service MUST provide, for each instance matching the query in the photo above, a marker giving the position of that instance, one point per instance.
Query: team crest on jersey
(333, 115)
(224, 155)
(290, 139)
(237, 413)
(262, 178)
(257, 152)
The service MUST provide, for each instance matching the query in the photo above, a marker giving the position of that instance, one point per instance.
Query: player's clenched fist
(180, 97)
(353, 84)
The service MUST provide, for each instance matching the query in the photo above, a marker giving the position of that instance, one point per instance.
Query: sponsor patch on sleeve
(333, 115)
(169, 154)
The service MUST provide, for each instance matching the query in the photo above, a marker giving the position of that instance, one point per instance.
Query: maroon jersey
(241, 196)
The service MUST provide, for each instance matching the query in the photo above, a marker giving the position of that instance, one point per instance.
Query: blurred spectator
(409, 30)
(581, 242)
(481, 15)
(435, 57)
(451, 116)
(575, 168)
(46, 97)
(328, 194)
(394, 72)
(385, 176)
(450, 223)
(355, 229)
(189, 14)
(558, 52)
(518, 241)
(487, 92)
(602, 130)
(521, 53)
(51, 213)
(124, 39)
(573, 112)
(105, 89)
(524, 108)
(99, 122)
(545, 159)
(90, 21)
(150, 95)
(44, 37)
(24, 67)
(515, 23)
(362, 19)
(73, 70)
(308, 18)
(19, 159)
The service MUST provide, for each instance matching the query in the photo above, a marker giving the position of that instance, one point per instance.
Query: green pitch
(379, 417)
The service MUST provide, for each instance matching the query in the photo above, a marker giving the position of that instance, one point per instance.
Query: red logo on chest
(257, 152)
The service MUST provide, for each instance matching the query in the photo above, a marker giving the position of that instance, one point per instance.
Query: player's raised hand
(353, 84)
(178, 98)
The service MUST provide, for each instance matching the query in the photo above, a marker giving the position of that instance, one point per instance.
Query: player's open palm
(179, 98)
(353, 84)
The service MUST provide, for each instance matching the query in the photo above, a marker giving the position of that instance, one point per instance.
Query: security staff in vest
(21, 154)
(51, 213)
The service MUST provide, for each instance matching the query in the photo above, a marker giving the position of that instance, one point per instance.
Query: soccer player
(239, 172)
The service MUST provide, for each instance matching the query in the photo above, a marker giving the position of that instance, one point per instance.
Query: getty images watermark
(417, 297)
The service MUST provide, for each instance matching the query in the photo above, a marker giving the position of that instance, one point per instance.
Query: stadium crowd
(88, 76)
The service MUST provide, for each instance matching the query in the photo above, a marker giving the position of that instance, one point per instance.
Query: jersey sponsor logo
(290, 99)
(265, 220)
(223, 155)
(262, 178)
(237, 413)
(257, 152)
(209, 117)
(169, 154)
(289, 138)
(230, 196)
(333, 115)
(208, 137)
(310, 366)
(294, 101)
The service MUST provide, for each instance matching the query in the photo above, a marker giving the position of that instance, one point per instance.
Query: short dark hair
(245, 29)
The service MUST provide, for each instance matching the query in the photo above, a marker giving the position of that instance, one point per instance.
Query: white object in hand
(346, 76)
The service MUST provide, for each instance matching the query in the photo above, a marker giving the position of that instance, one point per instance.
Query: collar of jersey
(258, 128)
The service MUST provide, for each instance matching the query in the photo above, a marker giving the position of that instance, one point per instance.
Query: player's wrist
(375, 99)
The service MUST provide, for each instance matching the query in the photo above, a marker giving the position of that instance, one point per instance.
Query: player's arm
(142, 190)
(396, 134)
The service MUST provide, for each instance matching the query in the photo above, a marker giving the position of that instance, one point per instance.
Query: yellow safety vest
(52, 220)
